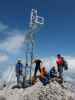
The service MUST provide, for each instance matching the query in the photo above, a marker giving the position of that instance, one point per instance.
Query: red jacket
(59, 61)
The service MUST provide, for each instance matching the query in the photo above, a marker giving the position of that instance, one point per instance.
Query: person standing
(19, 71)
(59, 63)
(38, 63)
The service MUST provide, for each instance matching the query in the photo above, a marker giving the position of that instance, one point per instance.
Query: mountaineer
(61, 64)
(19, 71)
(53, 72)
(45, 75)
(38, 63)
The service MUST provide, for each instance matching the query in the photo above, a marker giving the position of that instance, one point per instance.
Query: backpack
(65, 65)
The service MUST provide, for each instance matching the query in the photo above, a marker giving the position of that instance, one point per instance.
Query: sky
(57, 35)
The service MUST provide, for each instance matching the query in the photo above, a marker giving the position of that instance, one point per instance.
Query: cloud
(3, 57)
(3, 27)
(12, 44)
(9, 74)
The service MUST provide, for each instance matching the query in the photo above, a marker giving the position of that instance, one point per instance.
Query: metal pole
(31, 62)
(26, 65)
(25, 69)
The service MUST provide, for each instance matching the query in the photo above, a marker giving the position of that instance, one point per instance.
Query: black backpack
(65, 65)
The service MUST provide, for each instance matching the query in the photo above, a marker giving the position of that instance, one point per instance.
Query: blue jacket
(19, 68)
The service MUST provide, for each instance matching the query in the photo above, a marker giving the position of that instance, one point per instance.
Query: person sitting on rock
(53, 72)
(45, 75)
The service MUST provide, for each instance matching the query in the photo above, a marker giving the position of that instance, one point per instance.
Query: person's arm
(33, 61)
(41, 63)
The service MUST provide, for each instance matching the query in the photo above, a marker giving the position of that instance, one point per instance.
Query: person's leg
(61, 74)
(61, 71)
(18, 78)
(48, 76)
(35, 72)
(45, 81)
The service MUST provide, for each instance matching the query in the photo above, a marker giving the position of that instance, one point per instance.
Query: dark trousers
(36, 69)
(46, 79)
(60, 70)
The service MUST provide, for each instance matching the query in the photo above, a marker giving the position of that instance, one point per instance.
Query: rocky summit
(52, 91)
